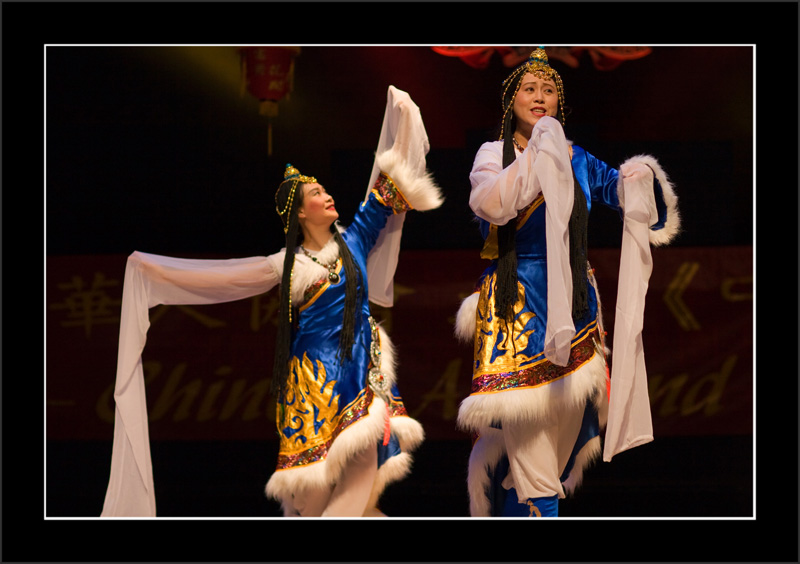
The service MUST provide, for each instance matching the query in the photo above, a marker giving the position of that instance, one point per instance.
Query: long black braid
(353, 292)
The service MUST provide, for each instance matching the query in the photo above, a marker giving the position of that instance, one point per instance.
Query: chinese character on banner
(87, 305)
(267, 74)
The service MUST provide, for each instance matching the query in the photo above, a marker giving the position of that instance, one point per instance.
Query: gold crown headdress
(539, 66)
(290, 174)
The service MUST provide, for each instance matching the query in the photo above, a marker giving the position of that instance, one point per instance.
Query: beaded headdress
(539, 66)
(293, 175)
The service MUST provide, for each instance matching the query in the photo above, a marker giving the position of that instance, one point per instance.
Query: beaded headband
(539, 66)
(291, 173)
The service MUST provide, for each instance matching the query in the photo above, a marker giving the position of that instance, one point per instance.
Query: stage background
(158, 149)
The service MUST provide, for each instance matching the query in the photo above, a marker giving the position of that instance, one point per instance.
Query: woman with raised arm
(540, 389)
(344, 431)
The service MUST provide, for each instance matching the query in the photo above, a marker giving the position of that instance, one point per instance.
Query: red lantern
(268, 75)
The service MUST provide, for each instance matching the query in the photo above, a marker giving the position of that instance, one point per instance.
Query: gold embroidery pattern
(311, 408)
(356, 410)
(498, 344)
(543, 371)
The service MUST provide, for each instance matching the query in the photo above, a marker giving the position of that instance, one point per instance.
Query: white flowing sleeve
(152, 280)
(404, 133)
(498, 193)
(629, 419)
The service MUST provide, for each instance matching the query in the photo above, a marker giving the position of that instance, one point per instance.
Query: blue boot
(534, 507)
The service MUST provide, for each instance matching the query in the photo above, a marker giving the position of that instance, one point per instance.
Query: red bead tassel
(387, 428)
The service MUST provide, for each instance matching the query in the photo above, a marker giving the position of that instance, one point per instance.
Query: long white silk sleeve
(152, 280)
(404, 133)
(629, 419)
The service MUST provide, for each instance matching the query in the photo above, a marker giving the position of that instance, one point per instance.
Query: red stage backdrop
(207, 368)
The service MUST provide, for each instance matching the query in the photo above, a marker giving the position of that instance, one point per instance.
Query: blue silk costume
(510, 358)
(325, 399)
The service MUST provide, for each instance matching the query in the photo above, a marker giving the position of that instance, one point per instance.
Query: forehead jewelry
(291, 173)
(539, 66)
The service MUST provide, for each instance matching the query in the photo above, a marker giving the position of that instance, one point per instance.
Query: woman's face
(535, 98)
(318, 207)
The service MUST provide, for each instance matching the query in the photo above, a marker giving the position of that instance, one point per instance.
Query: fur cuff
(420, 191)
(672, 226)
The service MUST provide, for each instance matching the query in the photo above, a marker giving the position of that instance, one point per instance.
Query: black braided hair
(353, 291)
(283, 341)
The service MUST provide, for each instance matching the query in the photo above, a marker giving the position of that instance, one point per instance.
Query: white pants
(538, 452)
(349, 496)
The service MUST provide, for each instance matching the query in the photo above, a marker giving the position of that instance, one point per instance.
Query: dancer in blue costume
(344, 431)
(540, 386)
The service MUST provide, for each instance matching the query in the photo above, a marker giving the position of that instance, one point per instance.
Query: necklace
(514, 139)
(332, 276)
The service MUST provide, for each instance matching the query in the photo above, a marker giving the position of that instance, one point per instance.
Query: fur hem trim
(672, 227)
(409, 432)
(393, 470)
(420, 191)
(388, 357)
(480, 411)
(361, 435)
(587, 456)
(486, 453)
(466, 319)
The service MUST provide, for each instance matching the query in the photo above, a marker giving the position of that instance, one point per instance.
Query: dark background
(156, 149)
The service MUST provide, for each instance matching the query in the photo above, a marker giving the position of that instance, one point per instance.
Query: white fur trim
(587, 456)
(306, 271)
(393, 470)
(388, 357)
(421, 192)
(466, 318)
(409, 432)
(363, 434)
(486, 453)
(479, 411)
(672, 226)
